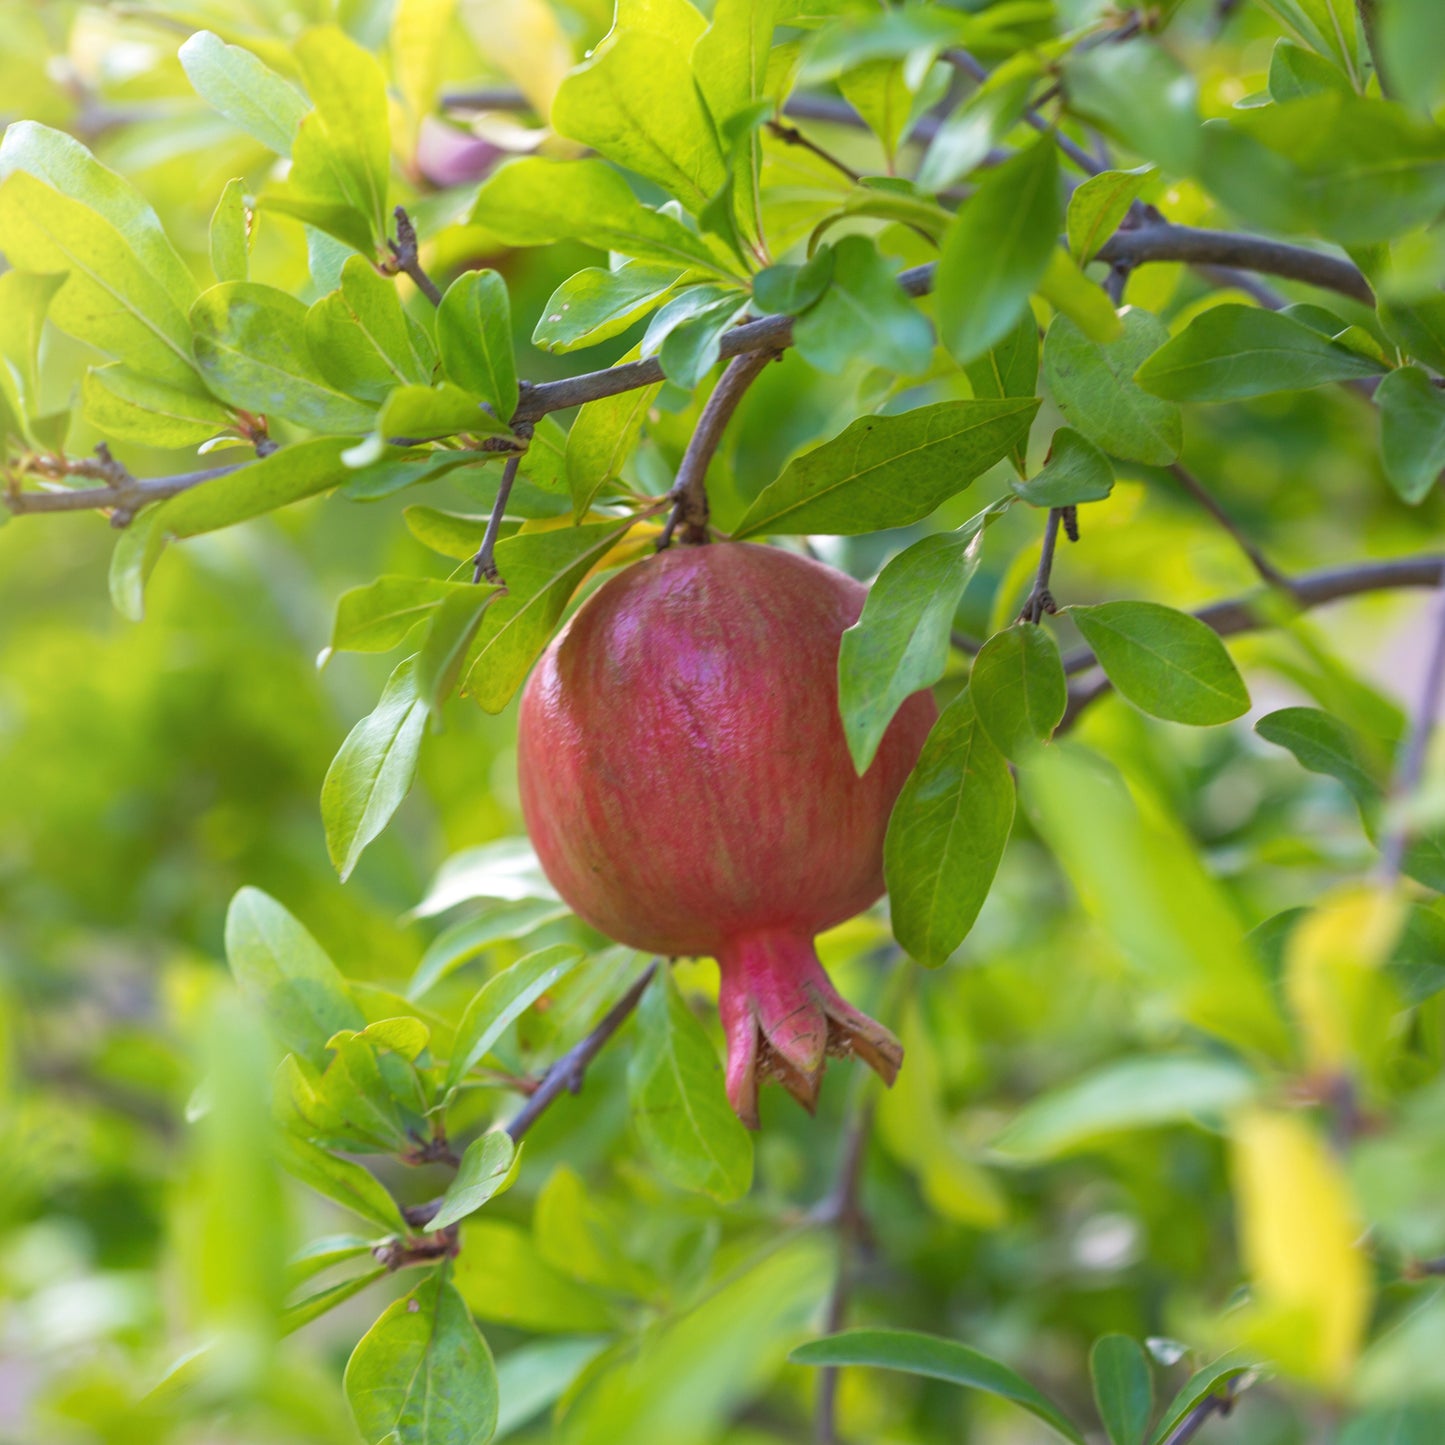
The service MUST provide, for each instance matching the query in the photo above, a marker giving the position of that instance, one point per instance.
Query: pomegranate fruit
(686, 782)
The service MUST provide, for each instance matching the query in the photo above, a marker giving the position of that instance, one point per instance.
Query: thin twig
(844, 1212)
(689, 492)
(407, 256)
(1251, 612)
(1412, 765)
(566, 1075)
(484, 563)
(1040, 599)
(1200, 1415)
(794, 137)
(1268, 572)
(1155, 242)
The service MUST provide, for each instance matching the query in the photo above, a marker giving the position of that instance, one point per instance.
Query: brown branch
(1412, 765)
(1040, 599)
(689, 492)
(1268, 572)
(844, 1212)
(485, 566)
(1153, 242)
(566, 1075)
(407, 256)
(1164, 241)
(1252, 612)
(1200, 1415)
(792, 136)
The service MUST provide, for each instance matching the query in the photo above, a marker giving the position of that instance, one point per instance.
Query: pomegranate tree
(686, 782)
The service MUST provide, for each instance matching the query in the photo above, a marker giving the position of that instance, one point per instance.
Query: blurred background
(149, 770)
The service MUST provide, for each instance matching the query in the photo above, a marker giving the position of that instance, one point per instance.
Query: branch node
(406, 256)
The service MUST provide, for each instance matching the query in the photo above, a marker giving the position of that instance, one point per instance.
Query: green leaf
(1129, 1094)
(131, 564)
(1097, 207)
(1095, 389)
(231, 234)
(1140, 876)
(995, 252)
(1123, 1388)
(322, 1254)
(888, 471)
(1324, 744)
(474, 333)
(936, 1359)
(537, 202)
(126, 405)
(504, 999)
(679, 1107)
(251, 347)
(1229, 352)
(967, 136)
(252, 490)
(1295, 72)
(376, 617)
(282, 969)
(1420, 1422)
(487, 1168)
(507, 869)
(343, 1181)
(245, 90)
(1065, 287)
(1418, 329)
(1018, 688)
(303, 1311)
(1412, 432)
(1011, 368)
(686, 335)
(635, 101)
(594, 305)
(439, 664)
(1140, 94)
(541, 570)
(362, 341)
(373, 771)
(1197, 1388)
(1076, 471)
(349, 124)
(1164, 661)
(790, 290)
(947, 835)
(585, 1236)
(111, 296)
(537, 1375)
(900, 643)
(863, 312)
(880, 91)
(1359, 169)
(1413, 51)
(501, 922)
(502, 1277)
(63, 164)
(422, 1374)
(24, 302)
(428, 413)
(601, 440)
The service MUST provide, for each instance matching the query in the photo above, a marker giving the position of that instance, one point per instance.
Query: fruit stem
(689, 516)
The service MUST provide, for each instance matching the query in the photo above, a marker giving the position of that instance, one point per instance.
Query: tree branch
(1201, 1414)
(1412, 765)
(1040, 599)
(1154, 242)
(485, 566)
(689, 492)
(1268, 572)
(566, 1075)
(1251, 612)
(408, 258)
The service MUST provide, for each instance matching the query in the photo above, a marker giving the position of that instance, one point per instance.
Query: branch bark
(689, 492)
(566, 1075)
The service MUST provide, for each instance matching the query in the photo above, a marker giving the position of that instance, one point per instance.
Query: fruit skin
(687, 785)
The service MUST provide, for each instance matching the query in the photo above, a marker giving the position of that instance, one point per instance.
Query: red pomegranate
(688, 788)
